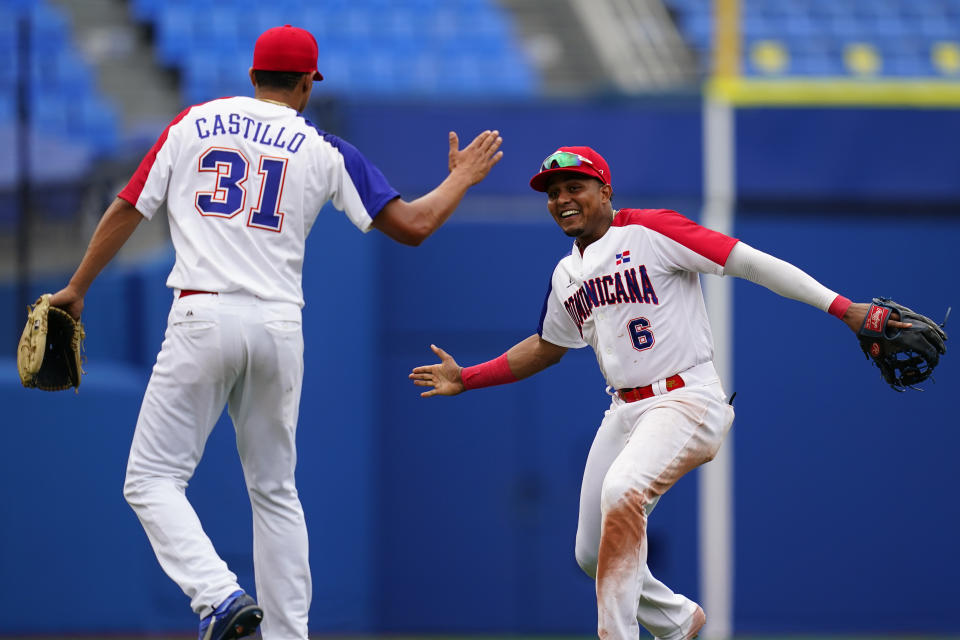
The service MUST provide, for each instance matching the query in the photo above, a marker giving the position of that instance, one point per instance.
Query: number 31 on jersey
(229, 168)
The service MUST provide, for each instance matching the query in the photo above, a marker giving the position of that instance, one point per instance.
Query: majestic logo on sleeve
(623, 257)
(631, 286)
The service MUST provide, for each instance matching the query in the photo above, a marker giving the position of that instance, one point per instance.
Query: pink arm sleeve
(487, 374)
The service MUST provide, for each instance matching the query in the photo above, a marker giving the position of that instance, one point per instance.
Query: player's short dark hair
(277, 79)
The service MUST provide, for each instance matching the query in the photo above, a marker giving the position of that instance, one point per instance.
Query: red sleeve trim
(839, 306)
(711, 244)
(131, 192)
(488, 374)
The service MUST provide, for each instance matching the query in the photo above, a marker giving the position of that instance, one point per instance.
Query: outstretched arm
(115, 228)
(521, 361)
(787, 280)
(412, 222)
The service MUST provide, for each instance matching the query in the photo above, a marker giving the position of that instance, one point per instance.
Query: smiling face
(580, 205)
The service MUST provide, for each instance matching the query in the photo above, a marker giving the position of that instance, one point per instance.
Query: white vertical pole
(716, 478)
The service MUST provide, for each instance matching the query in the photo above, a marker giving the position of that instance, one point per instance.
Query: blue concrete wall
(848, 155)
(843, 487)
(458, 514)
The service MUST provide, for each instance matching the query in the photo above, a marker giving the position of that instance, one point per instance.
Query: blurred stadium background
(822, 131)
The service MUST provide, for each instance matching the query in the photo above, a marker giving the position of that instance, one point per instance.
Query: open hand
(444, 377)
(477, 158)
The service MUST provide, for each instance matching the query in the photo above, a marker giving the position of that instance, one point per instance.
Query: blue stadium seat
(370, 46)
(50, 114)
(424, 74)
(884, 23)
(222, 24)
(70, 121)
(18, 6)
(400, 25)
(267, 15)
(698, 29)
(831, 7)
(817, 64)
(49, 26)
(146, 10)
(906, 66)
(337, 66)
(8, 107)
(174, 34)
(377, 72)
(200, 78)
(511, 79)
(442, 26)
(756, 26)
(462, 74)
(8, 52)
(891, 27)
(687, 5)
(358, 24)
(801, 25)
(63, 70)
(96, 118)
(936, 27)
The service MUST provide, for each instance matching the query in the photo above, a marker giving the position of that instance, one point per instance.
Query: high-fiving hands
(477, 158)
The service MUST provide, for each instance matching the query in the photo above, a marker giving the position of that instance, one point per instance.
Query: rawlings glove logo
(906, 356)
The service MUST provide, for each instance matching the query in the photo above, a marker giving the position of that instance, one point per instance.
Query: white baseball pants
(246, 353)
(641, 449)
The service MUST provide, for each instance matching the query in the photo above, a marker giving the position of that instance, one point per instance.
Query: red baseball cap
(583, 160)
(286, 48)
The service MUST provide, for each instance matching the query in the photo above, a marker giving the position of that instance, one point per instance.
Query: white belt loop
(700, 374)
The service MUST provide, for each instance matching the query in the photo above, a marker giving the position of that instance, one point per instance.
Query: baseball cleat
(236, 617)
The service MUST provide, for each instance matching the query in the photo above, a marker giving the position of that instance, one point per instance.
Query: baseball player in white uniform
(630, 289)
(244, 180)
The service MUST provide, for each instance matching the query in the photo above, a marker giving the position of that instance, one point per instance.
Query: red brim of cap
(539, 181)
(317, 77)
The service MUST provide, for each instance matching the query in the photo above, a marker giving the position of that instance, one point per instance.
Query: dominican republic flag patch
(623, 257)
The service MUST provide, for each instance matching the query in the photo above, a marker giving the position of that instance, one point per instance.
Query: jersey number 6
(229, 196)
(640, 333)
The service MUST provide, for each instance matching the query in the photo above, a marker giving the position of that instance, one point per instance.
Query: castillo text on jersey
(622, 287)
(250, 129)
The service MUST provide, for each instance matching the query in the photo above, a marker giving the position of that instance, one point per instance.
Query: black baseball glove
(905, 356)
(49, 354)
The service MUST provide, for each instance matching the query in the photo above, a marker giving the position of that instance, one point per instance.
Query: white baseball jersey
(634, 296)
(244, 180)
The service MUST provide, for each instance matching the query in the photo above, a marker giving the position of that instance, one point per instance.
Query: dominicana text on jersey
(632, 285)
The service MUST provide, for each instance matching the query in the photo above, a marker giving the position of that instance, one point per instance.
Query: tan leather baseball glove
(49, 354)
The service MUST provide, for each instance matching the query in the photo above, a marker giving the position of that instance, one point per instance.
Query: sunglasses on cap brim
(563, 159)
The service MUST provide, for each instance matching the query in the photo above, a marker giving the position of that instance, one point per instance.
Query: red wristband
(488, 374)
(839, 306)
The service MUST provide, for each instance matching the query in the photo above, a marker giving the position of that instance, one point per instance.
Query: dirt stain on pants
(623, 542)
